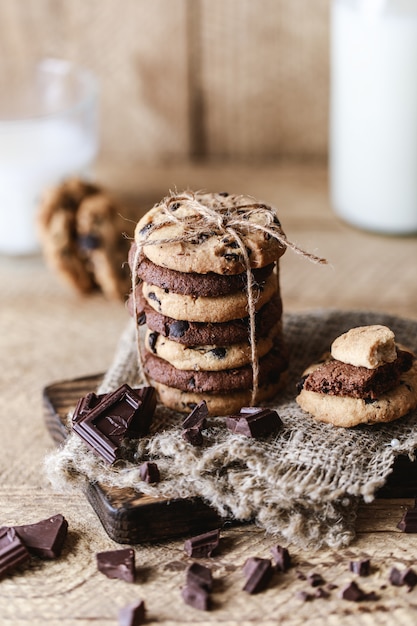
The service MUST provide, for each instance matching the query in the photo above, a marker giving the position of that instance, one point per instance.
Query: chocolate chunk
(197, 417)
(149, 472)
(219, 353)
(117, 564)
(362, 567)
(281, 558)
(202, 546)
(352, 592)
(45, 538)
(177, 329)
(125, 413)
(395, 577)
(408, 522)
(409, 578)
(315, 580)
(196, 596)
(152, 339)
(12, 550)
(193, 436)
(254, 423)
(259, 573)
(200, 576)
(132, 614)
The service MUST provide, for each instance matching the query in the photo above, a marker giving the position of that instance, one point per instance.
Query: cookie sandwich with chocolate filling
(205, 270)
(367, 378)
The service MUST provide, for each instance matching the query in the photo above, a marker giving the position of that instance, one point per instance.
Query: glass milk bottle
(373, 114)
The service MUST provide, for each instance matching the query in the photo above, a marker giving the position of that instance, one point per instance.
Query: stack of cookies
(209, 335)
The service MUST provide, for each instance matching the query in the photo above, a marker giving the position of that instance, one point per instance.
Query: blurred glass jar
(373, 114)
(48, 132)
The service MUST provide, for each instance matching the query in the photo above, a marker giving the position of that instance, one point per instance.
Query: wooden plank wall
(183, 79)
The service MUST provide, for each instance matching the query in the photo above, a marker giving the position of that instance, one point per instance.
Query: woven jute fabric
(303, 483)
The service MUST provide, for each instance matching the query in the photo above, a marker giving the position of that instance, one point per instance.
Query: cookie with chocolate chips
(184, 233)
(82, 237)
(382, 388)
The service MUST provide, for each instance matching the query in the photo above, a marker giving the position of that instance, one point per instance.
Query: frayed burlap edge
(304, 484)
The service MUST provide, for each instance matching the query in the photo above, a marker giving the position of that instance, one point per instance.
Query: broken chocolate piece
(408, 522)
(12, 550)
(282, 558)
(352, 592)
(117, 564)
(197, 417)
(202, 546)
(315, 580)
(193, 436)
(362, 567)
(123, 413)
(196, 596)
(84, 405)
(45, 538)
(149, 472)
(200, 576)
(132, 614)
(255, 422)
(395, 577)
(259, 573)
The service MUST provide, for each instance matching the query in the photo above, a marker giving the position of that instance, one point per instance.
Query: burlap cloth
(304, 483)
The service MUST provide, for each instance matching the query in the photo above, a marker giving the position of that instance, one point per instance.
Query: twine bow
(219, 219)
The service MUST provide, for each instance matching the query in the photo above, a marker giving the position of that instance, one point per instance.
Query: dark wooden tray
(129, 517)
(126, 516)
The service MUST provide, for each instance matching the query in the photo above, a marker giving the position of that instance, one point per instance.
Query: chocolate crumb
(408, 522)
(133, 614)
(362, 567)
(282, 558)
(409, 578)
(352, 592)
(395, 577)
(315, 580)
(303, 596)
(300, 575)
(321, 593)
(193, 436)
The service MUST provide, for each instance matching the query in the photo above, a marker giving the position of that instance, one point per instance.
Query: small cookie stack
(367, 379)
(192, 256)
(82, 236)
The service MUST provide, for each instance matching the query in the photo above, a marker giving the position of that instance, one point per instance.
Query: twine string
(220, 220)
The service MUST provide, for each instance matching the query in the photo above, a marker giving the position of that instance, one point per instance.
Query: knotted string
(219, 220)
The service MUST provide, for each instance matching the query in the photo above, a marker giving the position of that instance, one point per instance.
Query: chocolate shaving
(202, 546)
(117, 564)
(254, 422)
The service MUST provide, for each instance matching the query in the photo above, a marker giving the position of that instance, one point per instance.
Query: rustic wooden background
(184, 79)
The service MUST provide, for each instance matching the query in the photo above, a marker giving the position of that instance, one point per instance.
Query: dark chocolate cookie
(270, 368)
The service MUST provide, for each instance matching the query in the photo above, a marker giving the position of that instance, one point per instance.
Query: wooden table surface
(48, 334)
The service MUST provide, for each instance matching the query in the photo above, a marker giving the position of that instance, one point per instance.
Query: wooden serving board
(129, 517)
